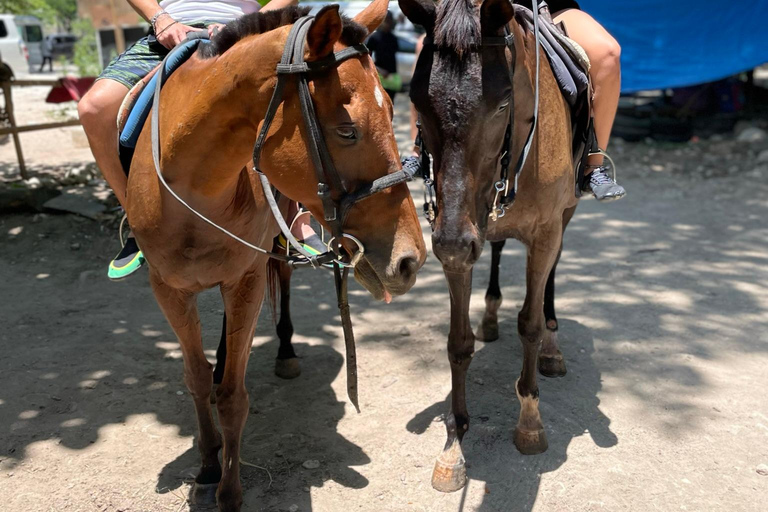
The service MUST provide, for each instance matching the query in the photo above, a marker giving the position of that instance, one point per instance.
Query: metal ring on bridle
(355, 258)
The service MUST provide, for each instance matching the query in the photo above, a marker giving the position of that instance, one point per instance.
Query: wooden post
(6, 85)
(119, 36)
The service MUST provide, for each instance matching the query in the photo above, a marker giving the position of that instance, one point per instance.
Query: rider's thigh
(602, 49)
(101, 103)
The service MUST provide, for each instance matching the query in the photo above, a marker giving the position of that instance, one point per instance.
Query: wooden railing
(15, 130)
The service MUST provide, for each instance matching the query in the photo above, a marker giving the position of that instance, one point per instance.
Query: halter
(504, 196)
(329, 182)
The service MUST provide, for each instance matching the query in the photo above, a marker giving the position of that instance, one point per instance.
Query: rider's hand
(212, 28)
(170, 33)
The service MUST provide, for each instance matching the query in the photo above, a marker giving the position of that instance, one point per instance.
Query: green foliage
(61, 12)
(86, 55)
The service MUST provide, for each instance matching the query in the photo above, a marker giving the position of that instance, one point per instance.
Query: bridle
(504, 196)
(329, 182)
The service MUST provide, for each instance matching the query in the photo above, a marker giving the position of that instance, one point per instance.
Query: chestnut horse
(211, 111)
(464, 85)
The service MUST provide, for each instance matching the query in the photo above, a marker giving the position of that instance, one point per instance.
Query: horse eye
(346, 133)
(503, 106)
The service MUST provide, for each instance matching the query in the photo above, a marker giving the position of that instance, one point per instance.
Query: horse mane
(261, 22)
(457, 25)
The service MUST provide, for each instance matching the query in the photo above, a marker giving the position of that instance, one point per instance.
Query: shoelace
(600, 177)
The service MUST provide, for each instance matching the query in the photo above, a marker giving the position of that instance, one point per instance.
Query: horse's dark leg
(529, 434)
(180, 308)
(286, 364)
(242, 302)
(551, 361)
(221, 359)
(450, 473)
(488, 330)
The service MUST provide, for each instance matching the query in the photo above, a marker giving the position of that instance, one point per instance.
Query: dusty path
(663, 302)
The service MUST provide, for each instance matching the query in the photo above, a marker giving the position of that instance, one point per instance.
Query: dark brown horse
(463, 89)
(210, 115)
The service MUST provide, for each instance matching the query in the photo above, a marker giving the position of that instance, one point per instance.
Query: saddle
(137, 104)
(570, 66)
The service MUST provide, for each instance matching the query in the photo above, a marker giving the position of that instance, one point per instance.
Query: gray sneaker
(603, 186)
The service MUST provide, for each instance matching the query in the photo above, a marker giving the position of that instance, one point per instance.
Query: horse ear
(420, 12)
(324, 32)
(494, 14)
(372, 16)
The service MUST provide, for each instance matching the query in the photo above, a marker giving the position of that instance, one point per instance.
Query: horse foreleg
(242, 303)
(551, 361)
(450, 473)
(180, 308)
(529, 434)
(488, 330)
(286, 364)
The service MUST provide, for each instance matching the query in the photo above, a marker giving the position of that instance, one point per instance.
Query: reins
(504, 197)
(329, 181)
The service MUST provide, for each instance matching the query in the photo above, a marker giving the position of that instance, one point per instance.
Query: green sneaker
(129, 260)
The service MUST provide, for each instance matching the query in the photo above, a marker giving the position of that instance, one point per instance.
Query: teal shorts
(135, 63)
(139, 60)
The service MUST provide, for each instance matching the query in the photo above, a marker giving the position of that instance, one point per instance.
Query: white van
(21, 42)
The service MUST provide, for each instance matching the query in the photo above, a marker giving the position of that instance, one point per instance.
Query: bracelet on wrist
(157, 16)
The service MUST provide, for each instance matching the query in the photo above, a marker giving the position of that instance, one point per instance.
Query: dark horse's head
(463, 94)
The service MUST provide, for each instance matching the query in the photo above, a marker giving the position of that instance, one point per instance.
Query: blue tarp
(674, 43)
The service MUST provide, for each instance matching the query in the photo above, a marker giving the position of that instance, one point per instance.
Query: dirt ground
(663, 303)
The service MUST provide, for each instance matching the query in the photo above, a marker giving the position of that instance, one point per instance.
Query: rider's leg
(604, 55)
(98, 114)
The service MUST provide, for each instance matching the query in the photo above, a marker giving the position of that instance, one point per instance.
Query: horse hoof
(203, 495)
(449, 477)
(487, 331)
(552, 366)
(287, 368)
(530, 442)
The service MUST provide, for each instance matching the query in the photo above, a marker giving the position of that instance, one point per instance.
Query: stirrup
(605, 156)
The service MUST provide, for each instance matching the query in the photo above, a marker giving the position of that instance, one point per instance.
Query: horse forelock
(457, 25)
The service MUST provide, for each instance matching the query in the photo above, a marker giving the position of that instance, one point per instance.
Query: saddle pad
(568, 61)
(130, 100)
(134, 123)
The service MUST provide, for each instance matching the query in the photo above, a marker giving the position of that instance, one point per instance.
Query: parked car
(61, 44)
(21, 39)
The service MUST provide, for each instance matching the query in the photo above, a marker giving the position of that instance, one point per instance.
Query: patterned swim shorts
(136, 62)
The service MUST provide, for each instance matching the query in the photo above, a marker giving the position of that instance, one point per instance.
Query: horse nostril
(408, 267)
(475, 248)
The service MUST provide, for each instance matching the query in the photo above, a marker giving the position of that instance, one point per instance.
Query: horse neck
(214, 109)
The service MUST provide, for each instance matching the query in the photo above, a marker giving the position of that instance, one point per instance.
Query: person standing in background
(383, 44)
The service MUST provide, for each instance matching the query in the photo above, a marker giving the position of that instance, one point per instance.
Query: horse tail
(273, 286)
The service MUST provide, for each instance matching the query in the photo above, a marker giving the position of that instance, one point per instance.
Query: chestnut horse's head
(463, 94)
(355, 117)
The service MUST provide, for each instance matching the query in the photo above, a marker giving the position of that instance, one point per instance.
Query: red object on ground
(70, 89)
